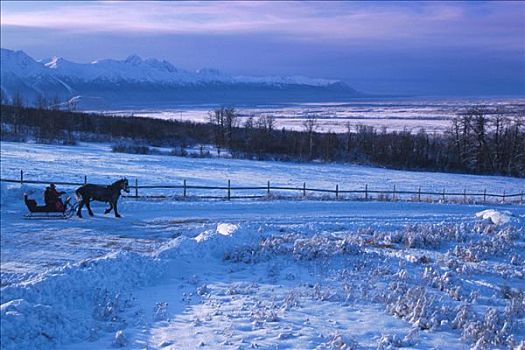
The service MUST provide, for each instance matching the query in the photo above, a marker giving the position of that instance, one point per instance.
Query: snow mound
(226, 229)
(81, 301)
(70, 303)
(222, 229)
(494, 216)
(15, 193)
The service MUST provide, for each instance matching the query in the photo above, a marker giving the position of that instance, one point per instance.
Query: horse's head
(123, 184)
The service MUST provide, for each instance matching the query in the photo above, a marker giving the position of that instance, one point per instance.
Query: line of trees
(475, 142)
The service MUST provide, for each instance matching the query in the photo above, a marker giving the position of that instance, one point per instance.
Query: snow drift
(494, 216)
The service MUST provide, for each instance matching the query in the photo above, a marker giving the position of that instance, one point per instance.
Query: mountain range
(146, 83)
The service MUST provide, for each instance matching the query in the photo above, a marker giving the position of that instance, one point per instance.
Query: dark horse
(109, 194)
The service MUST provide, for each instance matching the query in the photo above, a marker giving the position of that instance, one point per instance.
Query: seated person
(52, 198)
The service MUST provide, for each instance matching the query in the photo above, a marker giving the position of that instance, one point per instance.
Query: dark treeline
(52, 125)
(475, 142)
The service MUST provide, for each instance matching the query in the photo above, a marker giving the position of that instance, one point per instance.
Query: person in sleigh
(52, 198)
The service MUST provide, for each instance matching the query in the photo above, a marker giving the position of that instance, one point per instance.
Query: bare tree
(310, 125)
(41, 102)
(18, 104)
(216, 118)
(231, 121)
(266, 122)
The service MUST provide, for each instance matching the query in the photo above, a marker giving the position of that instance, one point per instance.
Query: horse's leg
(79, 210)
(109, 209)
(117, 215)
(88, 206)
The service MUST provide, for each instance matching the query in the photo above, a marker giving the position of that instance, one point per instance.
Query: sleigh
(47, 212)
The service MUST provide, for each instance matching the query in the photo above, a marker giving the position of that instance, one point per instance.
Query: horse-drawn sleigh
(54, 208)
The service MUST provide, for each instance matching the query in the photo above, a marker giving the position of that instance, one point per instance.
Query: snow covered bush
(203, 290)
(321, 246)
(443, 281)
(291, 300)
(339, 341)
(482, 249)
(130, 148)
(389, 341)
(242, 288)
(416, 305)
(418, 236)
(160, 311)
(263, 313)
(300, 247)
(494, 328)
(516, 304)
(120, 340)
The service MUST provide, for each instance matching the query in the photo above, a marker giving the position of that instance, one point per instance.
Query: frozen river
(433, 115)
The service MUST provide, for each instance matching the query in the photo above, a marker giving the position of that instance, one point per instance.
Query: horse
(109, 194)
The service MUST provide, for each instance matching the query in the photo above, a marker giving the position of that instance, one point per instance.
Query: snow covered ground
(71, 163)
(257, 274)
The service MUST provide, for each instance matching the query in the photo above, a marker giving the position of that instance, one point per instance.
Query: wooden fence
(268, 191)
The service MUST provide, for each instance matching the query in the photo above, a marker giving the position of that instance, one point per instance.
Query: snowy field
(71, 163)
(433, 115)
(282, 274)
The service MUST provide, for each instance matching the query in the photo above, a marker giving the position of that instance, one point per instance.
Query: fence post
(229, 189)
(503, 196)
(184, 188)
(521, 198)
(268, 189)
(394, 194)
(304, 189)
(419, 194)
(21, 177)
(366, 192)
(443, 196)
(485, 195)
(336, 191)
(464, 195)
(85, 179)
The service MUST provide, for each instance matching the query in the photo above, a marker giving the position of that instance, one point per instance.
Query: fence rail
(363, 194)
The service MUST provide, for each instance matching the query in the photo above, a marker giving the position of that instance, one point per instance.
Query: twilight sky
(424, 48)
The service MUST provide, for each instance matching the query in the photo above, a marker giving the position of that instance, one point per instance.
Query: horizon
(432, 49)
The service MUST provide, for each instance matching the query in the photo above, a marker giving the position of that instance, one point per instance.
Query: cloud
(349, 22)
(389, 47)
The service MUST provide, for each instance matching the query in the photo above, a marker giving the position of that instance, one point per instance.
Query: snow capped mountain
(146, 81)
(20, 64)
(135, 69)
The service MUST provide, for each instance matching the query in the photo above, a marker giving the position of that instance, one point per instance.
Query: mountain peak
(133, 60)
(53, 62)
(19, 63)
(160, 65)
(19, 56)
